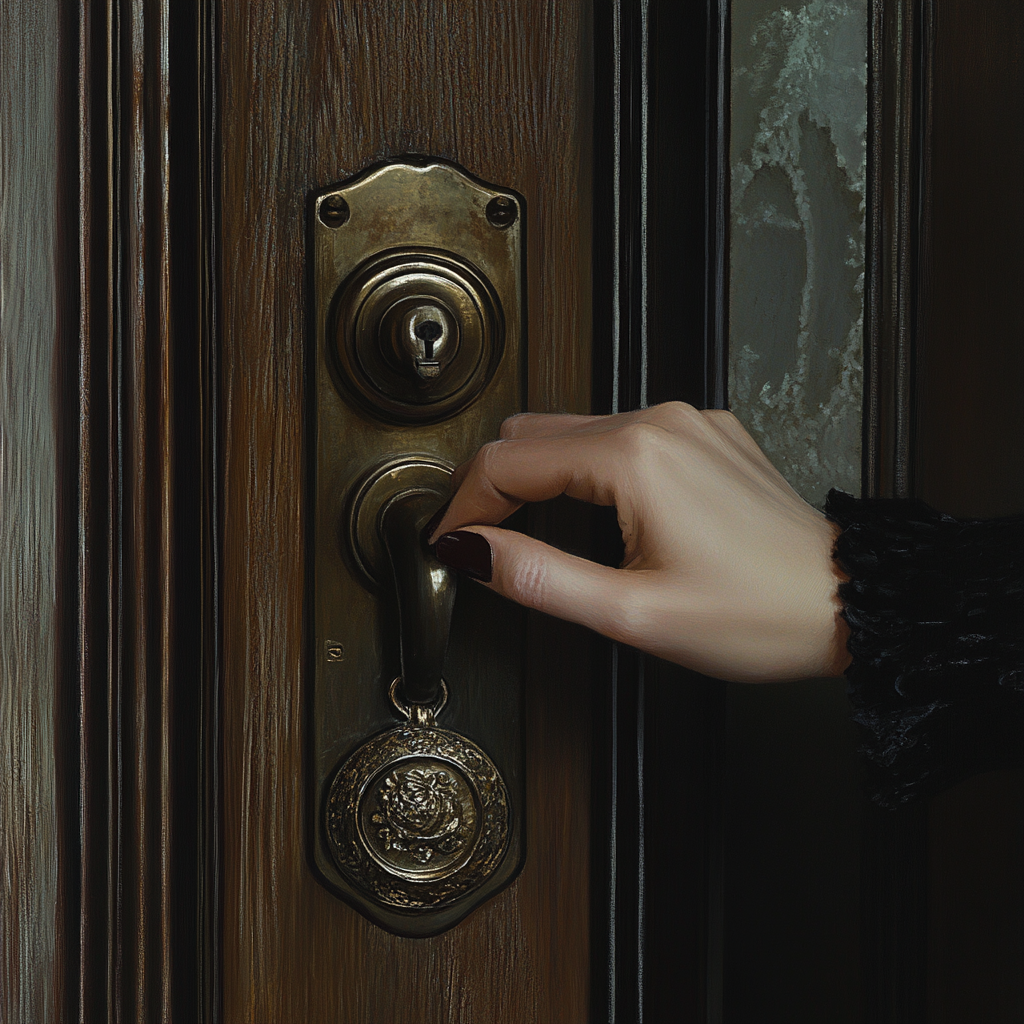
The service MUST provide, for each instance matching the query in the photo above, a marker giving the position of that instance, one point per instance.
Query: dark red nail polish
(435, 522)
(466, 552)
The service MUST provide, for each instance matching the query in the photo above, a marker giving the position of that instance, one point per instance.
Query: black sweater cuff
(935, 607)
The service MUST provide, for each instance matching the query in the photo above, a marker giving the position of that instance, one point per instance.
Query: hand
(726, 571)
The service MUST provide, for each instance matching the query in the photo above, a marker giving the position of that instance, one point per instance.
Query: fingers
(505, 474)
(539, 424)
(539, 576)
(541, 456)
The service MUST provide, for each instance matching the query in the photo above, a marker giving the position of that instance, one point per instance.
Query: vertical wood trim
(899, 45)
(30, 494)
(137, 597)
(145, 398)
(900, 41)
(620, 318)
(716, 396)
(208, 845)
(85, 713)
(661, 211)
(716, 204)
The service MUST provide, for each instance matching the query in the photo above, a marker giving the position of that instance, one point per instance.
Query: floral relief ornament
(417, 817)
(420, 813)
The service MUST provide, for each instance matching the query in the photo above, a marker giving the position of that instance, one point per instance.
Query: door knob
(416, 358)
(418, 816)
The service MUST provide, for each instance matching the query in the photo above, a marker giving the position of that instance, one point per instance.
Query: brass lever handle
(425, 592)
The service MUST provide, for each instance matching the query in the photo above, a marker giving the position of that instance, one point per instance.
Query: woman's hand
(727, 570)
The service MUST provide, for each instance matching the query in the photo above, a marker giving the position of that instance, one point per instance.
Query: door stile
(900, 46)
(138, 487)
(661, 209)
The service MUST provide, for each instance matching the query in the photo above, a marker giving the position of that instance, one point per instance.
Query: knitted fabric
(935, 607)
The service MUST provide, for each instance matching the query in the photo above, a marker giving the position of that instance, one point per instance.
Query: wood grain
(29, 948)
(133, 585)
(311, 92)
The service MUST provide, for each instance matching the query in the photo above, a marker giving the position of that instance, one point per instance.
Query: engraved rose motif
(420, 813)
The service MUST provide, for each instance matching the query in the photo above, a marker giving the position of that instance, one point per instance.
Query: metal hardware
(407, 710)
(418, 334)
(334, 211)
(417, 357)
(418, 816)
(425, 592)
(502, 211)
(410, 474)
(386, 521)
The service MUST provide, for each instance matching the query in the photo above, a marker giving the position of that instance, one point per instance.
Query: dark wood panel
(971, 397)
(894, 843)
(134, 500)
(970, 443)
(312, 92)
(29, 553)
(660, 140)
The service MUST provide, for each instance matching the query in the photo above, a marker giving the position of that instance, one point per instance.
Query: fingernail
(466, 552)
(435, 522)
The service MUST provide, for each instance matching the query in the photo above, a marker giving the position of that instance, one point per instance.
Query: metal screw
(334, 211)
(502, 211)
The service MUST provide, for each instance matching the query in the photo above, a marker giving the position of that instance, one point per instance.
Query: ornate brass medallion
(418, 816)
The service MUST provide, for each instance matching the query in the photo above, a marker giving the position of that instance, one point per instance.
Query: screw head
(502, 211)
(334, 211)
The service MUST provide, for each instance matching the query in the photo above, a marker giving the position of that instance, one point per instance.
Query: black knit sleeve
(935, 607)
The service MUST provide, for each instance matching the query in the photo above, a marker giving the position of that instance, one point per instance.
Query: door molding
(901, 43)
(660, 285)
(137, 706)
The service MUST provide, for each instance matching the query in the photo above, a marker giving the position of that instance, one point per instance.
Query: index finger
(505, 474)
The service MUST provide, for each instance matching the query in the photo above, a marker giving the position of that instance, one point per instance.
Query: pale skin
(726, 571)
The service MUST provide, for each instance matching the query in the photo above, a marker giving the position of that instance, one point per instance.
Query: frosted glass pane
(796, 296)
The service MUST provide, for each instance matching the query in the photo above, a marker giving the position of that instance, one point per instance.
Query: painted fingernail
(435, 522)
(466, 552)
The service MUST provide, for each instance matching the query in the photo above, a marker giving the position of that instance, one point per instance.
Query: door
(313, 93)
(156, 318)
(161, 865)
(524, 97)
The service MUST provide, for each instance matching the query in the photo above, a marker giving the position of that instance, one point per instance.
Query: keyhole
(428, 331)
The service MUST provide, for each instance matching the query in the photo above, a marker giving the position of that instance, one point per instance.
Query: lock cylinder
(418, 333)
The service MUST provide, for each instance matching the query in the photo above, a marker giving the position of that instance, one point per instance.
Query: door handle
(417, 774)
(424, 595)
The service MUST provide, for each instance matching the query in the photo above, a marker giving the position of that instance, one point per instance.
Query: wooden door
(154, 164)
(160, 864)
(312, 93)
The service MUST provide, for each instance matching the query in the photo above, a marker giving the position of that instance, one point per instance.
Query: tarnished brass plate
(464, 241)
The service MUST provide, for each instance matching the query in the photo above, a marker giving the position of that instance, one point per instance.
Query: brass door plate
(465, 241)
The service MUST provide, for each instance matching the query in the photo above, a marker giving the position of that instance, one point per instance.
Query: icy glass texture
(796, 295)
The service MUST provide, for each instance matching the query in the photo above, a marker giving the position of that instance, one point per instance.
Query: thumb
(536, 575)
